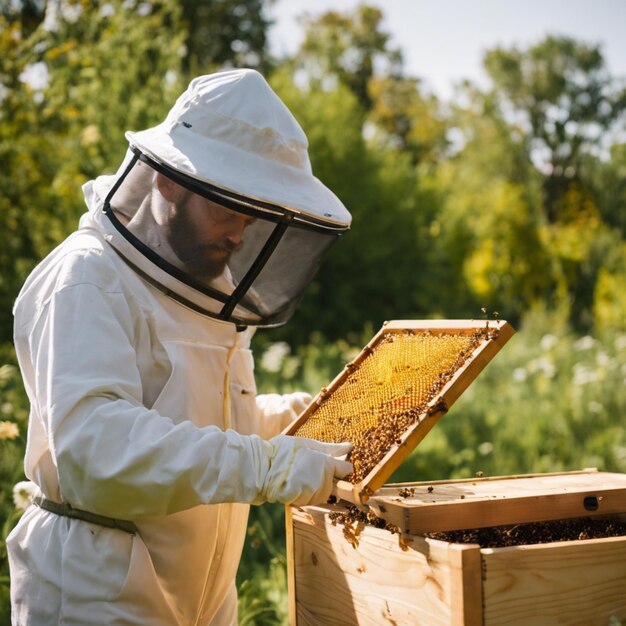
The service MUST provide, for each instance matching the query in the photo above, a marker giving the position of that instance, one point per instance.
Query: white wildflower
(6, 371)
(90, 135)
(546, 366)
(543, 365)
(9, 430)
(61, 9)
(595, 407)
(273, 357)
(548, 342)
(585, 343)
(583, 375)
(107, 10)
(71, 11)
(170, 78)
(519, 374)
(485, 448)
(603, 359)
(144, 9)
(23, 494)
(36, 76)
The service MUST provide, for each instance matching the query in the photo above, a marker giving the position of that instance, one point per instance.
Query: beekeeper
(146, 440)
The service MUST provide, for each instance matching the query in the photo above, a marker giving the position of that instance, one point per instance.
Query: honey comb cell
(389, 389)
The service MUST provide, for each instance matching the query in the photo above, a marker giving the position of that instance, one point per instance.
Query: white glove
(277, 411)
(301, 470)
(298, 401)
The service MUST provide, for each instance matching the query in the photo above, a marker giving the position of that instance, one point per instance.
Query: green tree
(406, 119)
(522, 210)
(490, 223)
(608, 185)
(353, 49)
(28, 158)
(69, 90)
(225, 33)
(564, 94)
(350, 47)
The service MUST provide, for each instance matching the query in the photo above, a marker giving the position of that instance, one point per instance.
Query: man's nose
(235, 230)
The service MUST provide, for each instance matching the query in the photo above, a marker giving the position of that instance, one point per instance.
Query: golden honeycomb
(387, 391)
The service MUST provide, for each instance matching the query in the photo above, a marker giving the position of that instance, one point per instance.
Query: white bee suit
(139, 437)
(141, 382)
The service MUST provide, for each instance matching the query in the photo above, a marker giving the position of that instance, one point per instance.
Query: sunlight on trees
(510, 197)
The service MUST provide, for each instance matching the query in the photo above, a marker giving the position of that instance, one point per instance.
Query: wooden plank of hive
(385, 579)
(466, 597)
(574, 582)
(291, 568)
(497, 501)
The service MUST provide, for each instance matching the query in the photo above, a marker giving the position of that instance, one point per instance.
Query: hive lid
(398, 387)
(499, 500)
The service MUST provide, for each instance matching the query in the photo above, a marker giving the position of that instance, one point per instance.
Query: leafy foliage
(348, 47)
(568, 106)
(70, 89)
(511, 198)
(224, 33)
(563, 91)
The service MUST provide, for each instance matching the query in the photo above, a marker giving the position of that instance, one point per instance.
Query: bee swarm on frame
(391, 389)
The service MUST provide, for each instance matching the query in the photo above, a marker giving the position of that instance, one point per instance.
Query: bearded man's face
(204, 234)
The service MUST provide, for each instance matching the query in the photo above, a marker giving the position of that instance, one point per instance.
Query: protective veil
(143, 401)
(239, 162)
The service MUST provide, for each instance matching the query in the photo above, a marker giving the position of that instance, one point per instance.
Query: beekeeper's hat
(231, 130)
(230, 139)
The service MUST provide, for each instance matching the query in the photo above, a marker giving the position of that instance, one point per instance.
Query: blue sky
(443, 40)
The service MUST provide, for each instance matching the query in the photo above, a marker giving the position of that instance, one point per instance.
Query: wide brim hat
(231, 131)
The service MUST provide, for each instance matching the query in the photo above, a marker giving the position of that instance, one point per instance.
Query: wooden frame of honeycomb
(398, 387)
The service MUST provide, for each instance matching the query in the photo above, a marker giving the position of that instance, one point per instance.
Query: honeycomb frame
(395, 436)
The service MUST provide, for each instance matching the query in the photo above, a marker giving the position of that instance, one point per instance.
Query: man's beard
(203, 259)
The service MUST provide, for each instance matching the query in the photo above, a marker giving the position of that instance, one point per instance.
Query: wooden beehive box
(360, 574)
(349, 572)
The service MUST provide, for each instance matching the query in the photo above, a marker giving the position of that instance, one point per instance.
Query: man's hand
(301, 470)
(298, 401)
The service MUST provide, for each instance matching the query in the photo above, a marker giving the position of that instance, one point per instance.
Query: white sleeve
(113, 455)
(277, 411)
